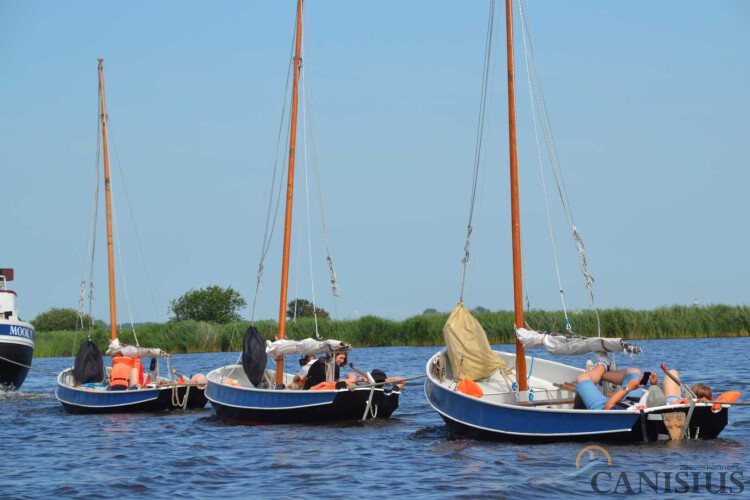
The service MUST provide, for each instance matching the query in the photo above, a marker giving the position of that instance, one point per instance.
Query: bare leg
(672, 388)
(617, 376)
(595, 374)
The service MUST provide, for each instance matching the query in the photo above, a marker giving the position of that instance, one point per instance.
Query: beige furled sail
(468, 349)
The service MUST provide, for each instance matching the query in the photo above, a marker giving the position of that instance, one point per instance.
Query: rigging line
(271, 213)
(122, 264)
(557, 172)
(312, 156)
(311, 128)
(478, 147)
(305, 116)
(531, 83)
(132, 216)
(88, 273)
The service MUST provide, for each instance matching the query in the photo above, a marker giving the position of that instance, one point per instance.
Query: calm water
(47, 452)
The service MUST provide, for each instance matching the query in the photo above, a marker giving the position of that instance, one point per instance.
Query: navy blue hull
(473, 418)
(265, 407)
(79, 400)
(12, 375)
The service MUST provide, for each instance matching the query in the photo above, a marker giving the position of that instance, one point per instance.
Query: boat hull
(16, 353)
(248, 405)
(80, 400)
(477, 418)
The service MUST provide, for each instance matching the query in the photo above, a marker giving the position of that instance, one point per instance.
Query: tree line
(214, 325)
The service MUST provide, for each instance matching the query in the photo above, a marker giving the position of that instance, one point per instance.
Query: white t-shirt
(302, 374)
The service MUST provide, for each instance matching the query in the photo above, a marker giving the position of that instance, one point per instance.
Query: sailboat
(16, 338)
(249, 392)
(487, 394)
(125, 387)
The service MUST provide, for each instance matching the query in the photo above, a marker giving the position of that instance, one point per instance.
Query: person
(590, 397)
(299, 379)
(702, 392)
(317, 372)
(199, 380)
(119, 377)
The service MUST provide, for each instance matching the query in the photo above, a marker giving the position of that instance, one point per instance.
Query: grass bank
(423, 330)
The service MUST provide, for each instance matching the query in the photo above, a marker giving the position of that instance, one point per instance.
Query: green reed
(422, 330)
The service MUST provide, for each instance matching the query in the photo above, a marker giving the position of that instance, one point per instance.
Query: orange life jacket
(727, 397)
(119, 375)
(324, 386)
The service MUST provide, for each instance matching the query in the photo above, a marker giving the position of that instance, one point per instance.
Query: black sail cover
(89, 365)
(253, 356)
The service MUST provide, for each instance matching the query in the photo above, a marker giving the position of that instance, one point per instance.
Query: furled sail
(131, 351)
(468, 349)
(306, 347)
(568, 345)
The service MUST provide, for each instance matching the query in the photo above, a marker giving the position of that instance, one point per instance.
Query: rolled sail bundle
(306, 347)
(569, 345)
(131, 351)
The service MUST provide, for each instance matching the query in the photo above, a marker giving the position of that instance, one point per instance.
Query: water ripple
(191, 454)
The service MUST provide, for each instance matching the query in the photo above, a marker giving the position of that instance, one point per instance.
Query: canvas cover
(89, 365)
(306, 347)
(468, 349)
(569, 345)
(253, 356)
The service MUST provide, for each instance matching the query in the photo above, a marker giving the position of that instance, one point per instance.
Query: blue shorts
(591, 396)
(671, 400)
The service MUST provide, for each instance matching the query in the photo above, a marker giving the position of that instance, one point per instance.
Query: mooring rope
(28, 366)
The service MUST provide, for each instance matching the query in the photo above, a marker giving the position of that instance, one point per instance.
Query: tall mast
(515, 210)
(108, 200)
(289, 192)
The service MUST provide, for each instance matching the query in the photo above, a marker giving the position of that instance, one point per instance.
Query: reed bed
(424, 330)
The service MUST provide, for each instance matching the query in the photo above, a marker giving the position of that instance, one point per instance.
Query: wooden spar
(514, 200)
(289, 192)
(108, 200)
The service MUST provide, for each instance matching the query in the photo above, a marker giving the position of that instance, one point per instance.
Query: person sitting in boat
(119, 377)
(702, 392)
(590, 397)
(299, 379)
(317, 372)
(670, 393)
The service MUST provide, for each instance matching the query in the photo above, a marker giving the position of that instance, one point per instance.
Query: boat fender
(470, 388)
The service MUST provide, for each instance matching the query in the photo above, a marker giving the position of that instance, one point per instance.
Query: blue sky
(648, 103)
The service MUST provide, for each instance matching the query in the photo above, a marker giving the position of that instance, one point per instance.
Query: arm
(621, 393)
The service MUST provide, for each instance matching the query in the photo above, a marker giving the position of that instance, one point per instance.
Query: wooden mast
(289, 192)
(514, 200)
(108, 200)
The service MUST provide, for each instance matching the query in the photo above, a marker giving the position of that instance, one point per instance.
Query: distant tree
(302, 308)
(430, 311)
(59, 318)
(214, 304)
(481, 310)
